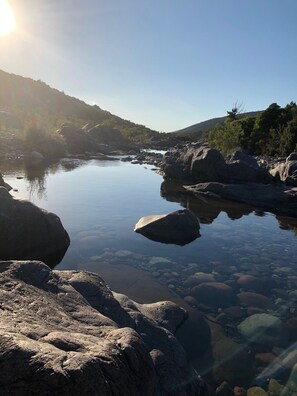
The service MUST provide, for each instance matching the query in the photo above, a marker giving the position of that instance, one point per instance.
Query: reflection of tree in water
(36, 174)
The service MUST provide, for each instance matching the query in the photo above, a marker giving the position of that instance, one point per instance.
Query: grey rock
(262, 328)
(65, 333)
(30, 232)
(204, 164)
(179, 227)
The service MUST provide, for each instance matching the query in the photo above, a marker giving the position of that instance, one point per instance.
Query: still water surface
(99, 202)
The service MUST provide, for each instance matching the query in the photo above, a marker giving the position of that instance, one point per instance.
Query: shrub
(48, 144)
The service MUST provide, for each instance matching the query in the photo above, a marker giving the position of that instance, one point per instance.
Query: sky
(166, 64)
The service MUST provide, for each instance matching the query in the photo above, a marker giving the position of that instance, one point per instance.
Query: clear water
(99, 203)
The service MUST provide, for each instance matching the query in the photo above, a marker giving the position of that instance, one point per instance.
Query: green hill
(25, 102)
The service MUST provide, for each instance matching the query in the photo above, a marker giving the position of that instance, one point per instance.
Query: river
(99, 202)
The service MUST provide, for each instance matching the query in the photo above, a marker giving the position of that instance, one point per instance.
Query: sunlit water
(99, 203)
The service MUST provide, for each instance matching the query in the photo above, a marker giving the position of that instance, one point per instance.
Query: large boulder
(204, 164)
(179, 227)
(29, 232)
(77, 140)
(193, 162)
(104, 134)
(65, 333)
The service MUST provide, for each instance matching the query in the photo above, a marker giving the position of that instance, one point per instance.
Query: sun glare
(7, 20)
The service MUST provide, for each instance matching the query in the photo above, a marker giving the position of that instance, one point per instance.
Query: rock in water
(29, 232)
(179, 227)
(65, 333)
(264, 329)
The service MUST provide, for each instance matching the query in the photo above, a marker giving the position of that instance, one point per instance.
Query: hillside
(198, 131)
(25, 102)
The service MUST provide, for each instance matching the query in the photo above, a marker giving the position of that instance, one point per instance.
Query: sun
(7, 20)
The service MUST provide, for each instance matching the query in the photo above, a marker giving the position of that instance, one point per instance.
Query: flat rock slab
(179, 227)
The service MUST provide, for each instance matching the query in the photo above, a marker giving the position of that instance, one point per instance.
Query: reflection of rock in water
(287, 223)
(205, 209)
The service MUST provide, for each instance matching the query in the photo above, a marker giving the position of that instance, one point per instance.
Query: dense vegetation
(272, 132)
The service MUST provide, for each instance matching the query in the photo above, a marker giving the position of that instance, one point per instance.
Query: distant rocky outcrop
(29, 232)
(65, 333)
(77, 140)
(201, 164)
(94, 139)
(240, 177)
(179, 227)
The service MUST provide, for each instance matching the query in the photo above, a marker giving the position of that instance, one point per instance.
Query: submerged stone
(262, 328)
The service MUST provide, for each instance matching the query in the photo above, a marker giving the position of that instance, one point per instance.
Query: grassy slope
(35, 103)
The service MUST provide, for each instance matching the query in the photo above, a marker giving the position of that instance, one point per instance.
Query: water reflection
(208, 209)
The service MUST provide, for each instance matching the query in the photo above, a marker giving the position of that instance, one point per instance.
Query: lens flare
(7, 20)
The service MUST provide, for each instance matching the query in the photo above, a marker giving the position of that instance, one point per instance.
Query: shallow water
(99, 202)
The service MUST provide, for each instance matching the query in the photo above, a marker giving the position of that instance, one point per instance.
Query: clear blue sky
(163, 63)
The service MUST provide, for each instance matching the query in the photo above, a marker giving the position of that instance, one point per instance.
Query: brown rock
(264, 359)
(232, 362)
(251, 299)
(214, 294)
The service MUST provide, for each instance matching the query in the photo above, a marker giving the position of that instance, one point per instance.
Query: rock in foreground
(29, 232)
(179, 227)
(65, 333)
